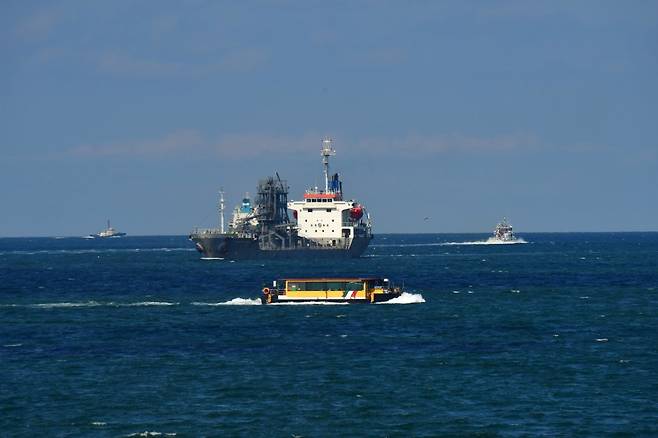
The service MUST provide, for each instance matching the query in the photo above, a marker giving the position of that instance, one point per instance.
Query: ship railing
(216, 231)
(202, 231)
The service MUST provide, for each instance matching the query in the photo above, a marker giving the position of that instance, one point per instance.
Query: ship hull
(236, 248)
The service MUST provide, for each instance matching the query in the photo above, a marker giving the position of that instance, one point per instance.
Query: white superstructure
(323, 217)
(243, 214)
(504, 234)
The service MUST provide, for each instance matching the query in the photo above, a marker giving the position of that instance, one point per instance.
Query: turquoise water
(138, 336)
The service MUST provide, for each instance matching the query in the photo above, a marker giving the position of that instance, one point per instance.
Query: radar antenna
(327, 151)
(221, 210)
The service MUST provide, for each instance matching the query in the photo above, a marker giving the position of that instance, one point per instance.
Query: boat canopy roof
(309, 280)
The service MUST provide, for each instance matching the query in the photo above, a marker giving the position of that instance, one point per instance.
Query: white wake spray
(234, 302)
(406, 298)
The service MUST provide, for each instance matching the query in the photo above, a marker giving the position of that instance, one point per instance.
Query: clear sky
(542, 111)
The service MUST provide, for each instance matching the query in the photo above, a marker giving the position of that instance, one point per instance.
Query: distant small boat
(106, 233)
(503, 233)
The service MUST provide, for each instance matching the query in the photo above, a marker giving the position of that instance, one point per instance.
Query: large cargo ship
(323, 224)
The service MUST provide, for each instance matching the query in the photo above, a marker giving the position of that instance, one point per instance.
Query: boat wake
(406, 298)
(92, 251)
(485, 242)
(67, 305)
(233, 302)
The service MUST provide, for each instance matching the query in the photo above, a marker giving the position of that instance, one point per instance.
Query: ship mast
(327, 151)
(221, 210)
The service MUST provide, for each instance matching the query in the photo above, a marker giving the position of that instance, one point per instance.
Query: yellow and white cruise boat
(334, 290)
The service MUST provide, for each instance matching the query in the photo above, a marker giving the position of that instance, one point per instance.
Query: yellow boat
(334, 290)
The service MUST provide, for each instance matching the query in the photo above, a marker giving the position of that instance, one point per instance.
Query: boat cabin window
(294, 285)
(377, 282)
(354, 285)
(324, 285)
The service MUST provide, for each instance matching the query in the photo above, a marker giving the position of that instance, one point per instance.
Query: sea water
(140, 337)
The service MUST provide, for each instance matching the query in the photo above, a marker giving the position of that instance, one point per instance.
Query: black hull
(236, 248)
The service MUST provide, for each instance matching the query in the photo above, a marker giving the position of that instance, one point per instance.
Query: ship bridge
(323, 216)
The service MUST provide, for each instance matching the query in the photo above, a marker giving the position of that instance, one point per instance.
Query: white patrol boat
(503, 233)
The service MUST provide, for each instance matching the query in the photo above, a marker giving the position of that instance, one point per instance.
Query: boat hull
(378, 298)
(98, 236)
(237, 248)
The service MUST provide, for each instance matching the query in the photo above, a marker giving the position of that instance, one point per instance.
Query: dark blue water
(125, 336)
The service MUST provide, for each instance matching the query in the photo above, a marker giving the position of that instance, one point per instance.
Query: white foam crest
(405, 245)
(65, 305)
(97, 304)
(212, 258)
(147, 433)
(484, 242)
(93, 251)
(147, 303)
(234, 302)
(406, 298)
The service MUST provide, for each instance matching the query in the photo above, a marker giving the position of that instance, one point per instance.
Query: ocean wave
(64, 305)
(404, 245)
(146, 303)
(147, 433)
(483, 242)
(93, 251)
(233, 302)
(406, 298)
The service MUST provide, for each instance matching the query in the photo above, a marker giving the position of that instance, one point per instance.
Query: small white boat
(504, 234)
(106, 233)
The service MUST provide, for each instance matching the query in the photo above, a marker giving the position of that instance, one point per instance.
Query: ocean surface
(140, 337)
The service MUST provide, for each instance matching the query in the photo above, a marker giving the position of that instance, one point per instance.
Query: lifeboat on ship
(356, 212)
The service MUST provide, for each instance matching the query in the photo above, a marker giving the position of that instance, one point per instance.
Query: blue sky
(138, 111)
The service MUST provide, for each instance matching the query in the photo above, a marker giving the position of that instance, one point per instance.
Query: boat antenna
(221, 210)
(327, 151)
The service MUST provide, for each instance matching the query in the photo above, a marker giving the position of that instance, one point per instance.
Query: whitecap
(12, 345)
(212, 258)
(233, 302)
(601, 339)
(65, 305)
(148, 303)
(484, 242)
(406, 298)
(149, 433)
